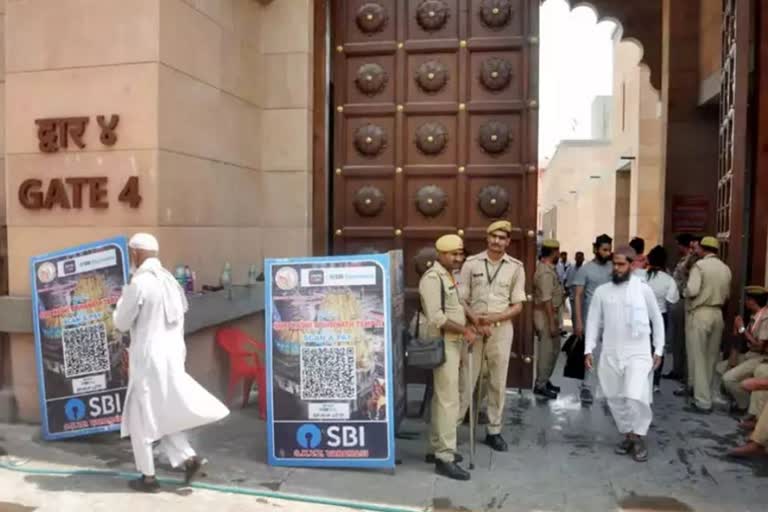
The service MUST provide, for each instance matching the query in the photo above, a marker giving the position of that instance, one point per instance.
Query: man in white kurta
(162, 400)
(624, 312)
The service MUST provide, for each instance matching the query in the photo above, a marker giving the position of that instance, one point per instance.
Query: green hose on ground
(210, 487)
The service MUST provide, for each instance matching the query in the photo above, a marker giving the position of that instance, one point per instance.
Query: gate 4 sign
(81, 358)
(330, 362)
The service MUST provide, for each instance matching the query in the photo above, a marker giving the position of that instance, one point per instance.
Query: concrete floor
(561, 459)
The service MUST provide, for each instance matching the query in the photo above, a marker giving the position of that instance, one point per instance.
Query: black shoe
(683, 391)
(451, 470)
(191, 468)
(696, 409)
(496, 442)
(544, 392)
(586, 396)
(639, 451)
(625, 446)
(552, 387)
(144, 484)
(431, 459)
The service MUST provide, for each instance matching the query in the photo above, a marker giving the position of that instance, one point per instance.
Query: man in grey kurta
(591, 275)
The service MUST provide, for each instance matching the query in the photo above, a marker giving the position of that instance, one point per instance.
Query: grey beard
(618, 279)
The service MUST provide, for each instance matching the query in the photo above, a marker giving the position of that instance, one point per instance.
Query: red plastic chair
(246, 363)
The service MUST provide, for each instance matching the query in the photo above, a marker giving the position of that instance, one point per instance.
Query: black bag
(426, 354)
(574, 365)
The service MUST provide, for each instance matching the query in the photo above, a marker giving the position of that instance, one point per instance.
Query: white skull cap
(144, 242)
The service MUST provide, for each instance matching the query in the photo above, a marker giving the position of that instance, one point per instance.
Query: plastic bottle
(189, 284)
(181, 276)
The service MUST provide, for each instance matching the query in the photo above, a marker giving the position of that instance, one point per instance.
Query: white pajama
(175, 446)
(625, 367)
(630, 399)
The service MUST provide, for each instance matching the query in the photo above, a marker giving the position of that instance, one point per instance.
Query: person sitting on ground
(758, 440)
(754, 337)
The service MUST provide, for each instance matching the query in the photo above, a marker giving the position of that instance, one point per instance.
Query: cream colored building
(214, 105)
(612, 186)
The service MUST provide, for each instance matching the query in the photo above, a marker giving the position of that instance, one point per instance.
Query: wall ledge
(205, 310)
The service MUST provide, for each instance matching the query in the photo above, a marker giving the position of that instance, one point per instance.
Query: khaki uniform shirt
(546, 286)
(485, 293)
(709, 283)
(429, 293)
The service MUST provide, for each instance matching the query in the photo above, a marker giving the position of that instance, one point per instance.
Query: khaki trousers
(733, 377)
(497, 349)
(445, 403)
(703, 334)
(758, 402)
(549, 347)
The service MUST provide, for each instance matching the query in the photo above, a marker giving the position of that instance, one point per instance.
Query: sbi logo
(74, 409)
(309, 436)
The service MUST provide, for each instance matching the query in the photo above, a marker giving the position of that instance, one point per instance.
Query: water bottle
(189, 284)
(226, 276)
(181, 276)
(226, 279)
(253, 274)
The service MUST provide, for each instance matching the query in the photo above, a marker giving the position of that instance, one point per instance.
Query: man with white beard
(626, 314)
(163, 401)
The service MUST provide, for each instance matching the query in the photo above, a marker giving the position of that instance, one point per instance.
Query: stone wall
(214, 104)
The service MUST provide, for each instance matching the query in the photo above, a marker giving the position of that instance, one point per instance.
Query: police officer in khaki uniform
(548, 302)
(708, 287)
(493, 286)
(444, 311)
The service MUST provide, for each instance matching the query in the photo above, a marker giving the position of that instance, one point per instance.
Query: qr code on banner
(328, 373)
(85, 350)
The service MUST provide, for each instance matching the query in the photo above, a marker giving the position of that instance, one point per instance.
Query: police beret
(449, 243)
(710, 242)
(550, 244)
(500, 225)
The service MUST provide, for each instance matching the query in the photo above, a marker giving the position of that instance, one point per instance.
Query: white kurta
(626, 365)
(162, 398)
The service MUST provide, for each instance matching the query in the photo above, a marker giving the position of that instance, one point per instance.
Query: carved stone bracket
(493, 201)
(371, 18)
(431, 200)
(494, 137)
(371, 79)
(432, 15)
(431, 138)
(370, 140)
(369, 201)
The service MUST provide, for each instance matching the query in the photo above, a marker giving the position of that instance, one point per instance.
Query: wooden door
(435, 131)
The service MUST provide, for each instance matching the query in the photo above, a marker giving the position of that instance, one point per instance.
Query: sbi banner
(331, 391)
(82, 360)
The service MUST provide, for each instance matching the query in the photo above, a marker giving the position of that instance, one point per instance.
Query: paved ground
(561, 459)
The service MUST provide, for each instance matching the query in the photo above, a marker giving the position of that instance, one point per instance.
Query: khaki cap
(500, 225)
(710, 242)
(449, 243)
(550, 244)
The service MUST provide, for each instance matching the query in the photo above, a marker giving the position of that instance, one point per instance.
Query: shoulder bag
(427, 354)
